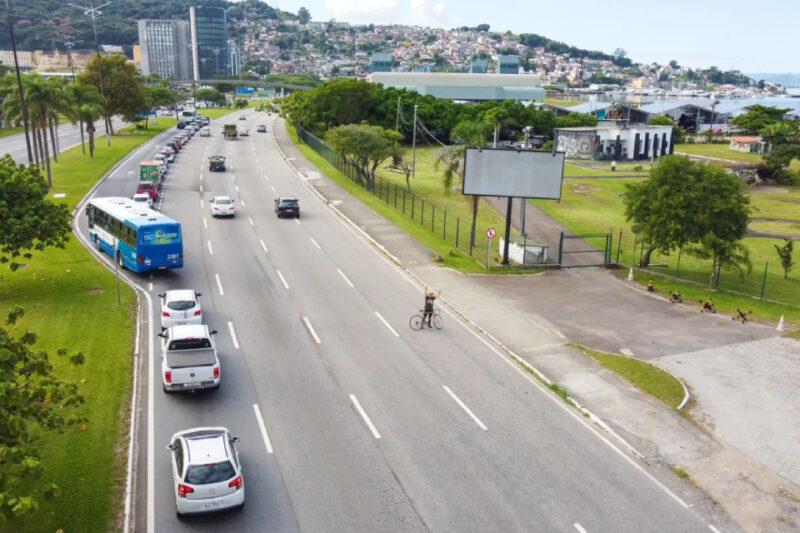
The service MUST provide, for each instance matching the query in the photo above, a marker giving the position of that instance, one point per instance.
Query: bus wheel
(120, 261)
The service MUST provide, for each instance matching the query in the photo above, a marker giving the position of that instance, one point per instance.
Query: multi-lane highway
(68, 136)
(349, 420)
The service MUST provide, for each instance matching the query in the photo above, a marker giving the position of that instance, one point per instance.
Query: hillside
(42, 23)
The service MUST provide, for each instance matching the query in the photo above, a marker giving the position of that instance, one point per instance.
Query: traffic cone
(630, 274)
(781, 325)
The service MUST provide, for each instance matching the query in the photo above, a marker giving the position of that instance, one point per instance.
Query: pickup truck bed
(190, 358)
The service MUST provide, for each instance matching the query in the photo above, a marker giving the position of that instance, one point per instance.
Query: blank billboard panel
(515, 173)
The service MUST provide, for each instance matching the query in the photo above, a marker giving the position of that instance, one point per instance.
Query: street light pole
(70, 45)
(25, 118)
(93, 12)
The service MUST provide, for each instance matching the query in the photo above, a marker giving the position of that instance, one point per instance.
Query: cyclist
(430, 297)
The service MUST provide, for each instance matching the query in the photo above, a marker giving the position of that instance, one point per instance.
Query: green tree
(364, 147)
(89, 114)
(469, 133)
(786, 256)
(28, 221)
(723, 254)
(32, 399)
(757, 118)
(119, 83)
(211, 96)
(156, 96)
(784, 142)
(678, 135)
(79, 95)
(685, 202)
(303, 16)
(576, 120)
(240, 103)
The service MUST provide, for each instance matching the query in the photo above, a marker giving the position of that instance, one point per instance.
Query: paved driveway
(747, 395)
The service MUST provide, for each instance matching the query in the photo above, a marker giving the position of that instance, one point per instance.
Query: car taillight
(237, 483)
(183, 490)
(198, 312)
(168, 377)
(165, 314)
(140, 259)
(216, 372)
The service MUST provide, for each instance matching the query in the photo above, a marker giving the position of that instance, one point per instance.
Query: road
(367, 425)
(68, 136)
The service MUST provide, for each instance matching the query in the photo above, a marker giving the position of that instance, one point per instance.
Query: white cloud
(355, 7)
(426, 15)
(438, 9)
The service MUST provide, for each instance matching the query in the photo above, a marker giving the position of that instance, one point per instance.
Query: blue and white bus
(137, 237)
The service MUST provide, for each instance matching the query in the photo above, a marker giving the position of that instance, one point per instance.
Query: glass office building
(210, 34)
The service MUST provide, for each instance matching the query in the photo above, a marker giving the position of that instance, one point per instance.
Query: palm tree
(39, 95)
(89, 114)
(466, 133)
(59, 103)
(77, 95)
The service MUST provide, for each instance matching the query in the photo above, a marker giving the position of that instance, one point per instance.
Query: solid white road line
(315, 243)
(345, 277)
(579, 528)
(387, 324)
(233, 335)
(313, 333)
(210, 249)
(242, 202)
(201, 203)
(219, 285)
(149, 286)
(273, 188)
(263, 246)
(283, 280)
(263, 428)
(360, 410)
(205, 223)
(464, 407)
(251, 221)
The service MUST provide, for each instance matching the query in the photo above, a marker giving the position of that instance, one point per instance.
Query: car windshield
(289, 203)
(222, 201)
(211, 473)
(146, 186)
(180, 305)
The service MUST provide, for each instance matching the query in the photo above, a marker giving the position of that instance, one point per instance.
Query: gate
(588, 249)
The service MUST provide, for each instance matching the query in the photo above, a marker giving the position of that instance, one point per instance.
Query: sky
(752, 36)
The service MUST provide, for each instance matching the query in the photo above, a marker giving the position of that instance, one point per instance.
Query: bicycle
(417, 322)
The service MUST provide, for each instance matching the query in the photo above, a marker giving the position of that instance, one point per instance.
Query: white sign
(491, 233)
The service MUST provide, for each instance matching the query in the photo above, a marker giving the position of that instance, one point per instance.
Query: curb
(512, 355)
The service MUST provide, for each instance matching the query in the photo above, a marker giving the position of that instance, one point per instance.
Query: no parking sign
(491, 233)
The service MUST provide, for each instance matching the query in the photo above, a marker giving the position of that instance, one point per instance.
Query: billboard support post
(508, 229)
(474, 220)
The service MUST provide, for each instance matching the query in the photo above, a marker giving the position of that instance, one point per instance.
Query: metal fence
(452, 229)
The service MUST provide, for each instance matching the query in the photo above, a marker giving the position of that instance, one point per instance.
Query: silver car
(180, 307)
(206, 472)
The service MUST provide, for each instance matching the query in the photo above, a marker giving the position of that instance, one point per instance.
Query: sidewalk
(756, 498)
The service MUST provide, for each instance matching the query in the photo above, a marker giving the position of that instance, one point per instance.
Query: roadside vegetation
(646, 377)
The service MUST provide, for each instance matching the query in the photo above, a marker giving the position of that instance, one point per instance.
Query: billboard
(244, 90)
(513, 173)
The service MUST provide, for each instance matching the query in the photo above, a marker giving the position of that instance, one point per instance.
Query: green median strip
(644, 376)
(70, 300)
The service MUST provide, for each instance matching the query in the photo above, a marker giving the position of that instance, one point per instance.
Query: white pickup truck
(189, 358)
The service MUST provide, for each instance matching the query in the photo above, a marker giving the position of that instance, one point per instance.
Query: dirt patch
(581, 188)
(96, 290)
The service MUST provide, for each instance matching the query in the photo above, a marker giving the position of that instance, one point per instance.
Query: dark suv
(216, 163)
(287, 206)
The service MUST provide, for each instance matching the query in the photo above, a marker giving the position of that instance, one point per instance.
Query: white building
(614, 142)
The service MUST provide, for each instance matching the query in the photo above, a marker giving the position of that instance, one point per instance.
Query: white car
(222, 206)
(205, 131)
(242, 131)
(206, 472)
(143, 198)
(180, 307)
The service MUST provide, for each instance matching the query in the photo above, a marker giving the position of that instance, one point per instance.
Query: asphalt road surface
(367, 425)
(68, 136)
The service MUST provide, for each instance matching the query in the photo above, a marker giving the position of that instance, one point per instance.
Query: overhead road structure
(464, 85)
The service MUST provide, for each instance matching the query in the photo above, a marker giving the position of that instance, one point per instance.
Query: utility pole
(414, 146)
(70, 45)
(25, 118)
(397, 116)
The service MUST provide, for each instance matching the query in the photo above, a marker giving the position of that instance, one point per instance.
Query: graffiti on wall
(576, 145)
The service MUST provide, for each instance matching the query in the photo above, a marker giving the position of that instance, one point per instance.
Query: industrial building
(464, 86)
(609, 141)
(508, 65)
(165, 48)
(479, 66)
(381, 62)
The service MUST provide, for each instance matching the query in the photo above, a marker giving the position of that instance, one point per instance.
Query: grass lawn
(215, 112)
(644, 376)
(572, 170)
(790, 229)
(780, 202)
(71, 301)
(722, 151)
(561, 103)
(426, 185)
(7, 132)
(595, 205)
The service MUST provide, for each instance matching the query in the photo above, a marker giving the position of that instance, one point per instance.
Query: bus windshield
(160, 235)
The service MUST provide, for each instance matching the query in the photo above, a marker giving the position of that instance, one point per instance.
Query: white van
(242, 131)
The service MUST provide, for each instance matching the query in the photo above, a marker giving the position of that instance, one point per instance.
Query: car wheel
(179, 515)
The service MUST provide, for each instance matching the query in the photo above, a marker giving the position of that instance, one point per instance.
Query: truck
(150, 172)
(229, 131)
(189, 359)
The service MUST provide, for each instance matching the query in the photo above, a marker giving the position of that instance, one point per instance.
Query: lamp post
(69, 46)
(216, 52)
(25, 118)
(93, 12)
